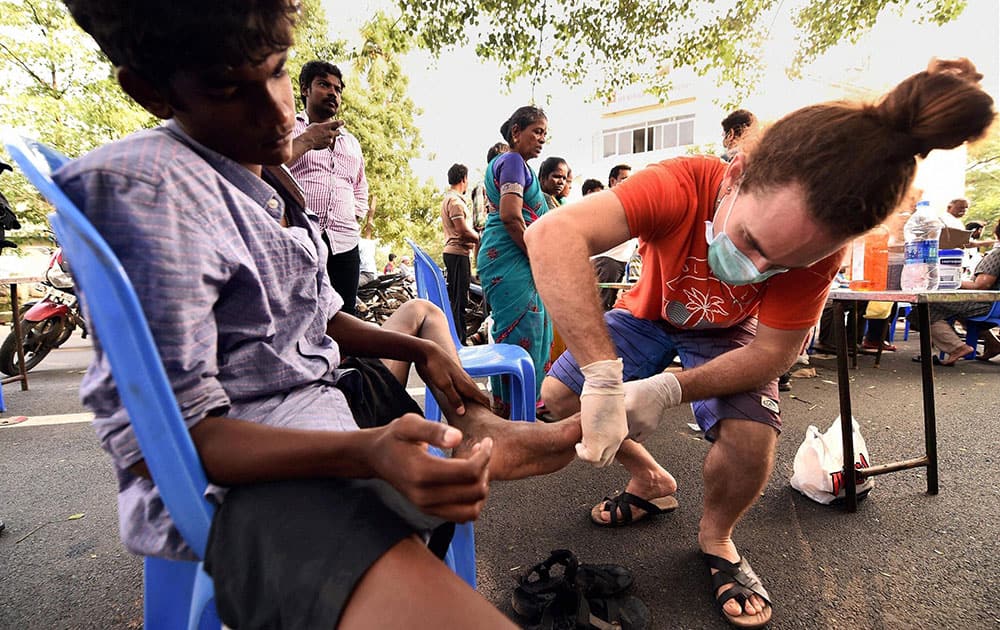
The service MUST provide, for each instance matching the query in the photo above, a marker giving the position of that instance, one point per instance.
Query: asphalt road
(904, 560)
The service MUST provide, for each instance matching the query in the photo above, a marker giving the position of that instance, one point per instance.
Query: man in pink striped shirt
(327, 162)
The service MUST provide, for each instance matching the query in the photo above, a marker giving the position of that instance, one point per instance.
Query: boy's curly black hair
(156, 39)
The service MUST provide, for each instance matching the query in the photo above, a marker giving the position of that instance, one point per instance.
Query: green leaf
(613, 44)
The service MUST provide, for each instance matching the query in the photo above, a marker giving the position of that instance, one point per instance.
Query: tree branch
(979, 163)
(27, 68)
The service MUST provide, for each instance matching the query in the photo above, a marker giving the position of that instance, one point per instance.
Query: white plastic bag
(818, 471)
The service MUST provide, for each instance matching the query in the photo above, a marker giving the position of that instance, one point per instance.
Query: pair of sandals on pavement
(560, 593)
(739, 576)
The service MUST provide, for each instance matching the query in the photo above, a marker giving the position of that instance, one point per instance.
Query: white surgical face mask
(727, 262)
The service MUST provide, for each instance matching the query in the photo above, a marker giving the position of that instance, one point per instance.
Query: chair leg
(202, 614)
(972, 337)
(431, 409)
(527, 388)
(176, 594)
(167, 587)
(518, 403)
(461, 555)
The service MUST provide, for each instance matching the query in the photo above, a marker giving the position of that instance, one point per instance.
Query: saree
(505, 273)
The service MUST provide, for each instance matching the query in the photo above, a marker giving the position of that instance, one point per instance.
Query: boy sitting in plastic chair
(332, 493)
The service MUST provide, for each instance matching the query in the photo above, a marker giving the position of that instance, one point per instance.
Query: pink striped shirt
(335, 186)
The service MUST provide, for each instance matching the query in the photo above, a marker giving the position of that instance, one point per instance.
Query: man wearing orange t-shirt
(734, 337)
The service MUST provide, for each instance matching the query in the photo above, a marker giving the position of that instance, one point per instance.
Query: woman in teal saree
(515, 202)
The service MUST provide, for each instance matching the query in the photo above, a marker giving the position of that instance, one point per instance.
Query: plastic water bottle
(920, 253)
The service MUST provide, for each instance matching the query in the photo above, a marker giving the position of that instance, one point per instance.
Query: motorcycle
(47, 323)
(476, 311)
(380, 298)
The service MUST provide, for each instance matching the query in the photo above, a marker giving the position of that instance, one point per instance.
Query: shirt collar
(235, 173)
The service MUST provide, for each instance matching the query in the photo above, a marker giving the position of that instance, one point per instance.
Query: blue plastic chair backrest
(994, 314)
(120, 325)
(431, 285)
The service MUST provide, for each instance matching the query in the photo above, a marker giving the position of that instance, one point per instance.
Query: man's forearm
(565, 280)
(299, 148)
(740, 370)
(239, 452)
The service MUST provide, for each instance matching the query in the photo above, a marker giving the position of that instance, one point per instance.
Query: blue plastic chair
(974, 324)
(902, 312)
(177, 594)
(972, 327)
(488, 360)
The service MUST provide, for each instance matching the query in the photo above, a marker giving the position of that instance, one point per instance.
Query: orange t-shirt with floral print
(667, 205)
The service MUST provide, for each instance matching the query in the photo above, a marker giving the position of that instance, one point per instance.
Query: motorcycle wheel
(40, 338)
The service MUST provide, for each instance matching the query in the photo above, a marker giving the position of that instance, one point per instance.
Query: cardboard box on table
(952, 238)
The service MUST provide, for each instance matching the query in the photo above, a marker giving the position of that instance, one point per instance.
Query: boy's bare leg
(521, 449)
(409, 588)
(418, 318)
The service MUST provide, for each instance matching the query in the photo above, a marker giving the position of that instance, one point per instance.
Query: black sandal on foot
(744, 583)
(622, 503)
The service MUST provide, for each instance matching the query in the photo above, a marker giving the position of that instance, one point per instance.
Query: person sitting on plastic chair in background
(332, 493)
(986, 277)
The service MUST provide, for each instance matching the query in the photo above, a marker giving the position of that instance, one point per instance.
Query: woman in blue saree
(515, 202)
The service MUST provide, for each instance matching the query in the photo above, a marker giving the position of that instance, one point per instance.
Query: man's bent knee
(559, 399)
(746, 435)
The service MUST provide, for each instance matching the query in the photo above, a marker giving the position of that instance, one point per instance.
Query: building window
(655, 135)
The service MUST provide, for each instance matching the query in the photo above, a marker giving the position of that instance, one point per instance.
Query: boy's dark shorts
(288, 554)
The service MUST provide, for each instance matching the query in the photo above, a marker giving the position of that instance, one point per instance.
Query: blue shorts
(648, 347)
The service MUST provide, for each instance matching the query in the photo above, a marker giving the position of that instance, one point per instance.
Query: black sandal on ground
(537, 589)
(561, 571)
(622, 504)
(572, 610)
(743, 583)
(603, 580)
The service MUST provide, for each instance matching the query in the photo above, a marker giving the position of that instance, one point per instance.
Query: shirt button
(272, 203)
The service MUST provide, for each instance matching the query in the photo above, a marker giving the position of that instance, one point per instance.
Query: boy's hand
(321, 135)
(452, 489)
(438, 369)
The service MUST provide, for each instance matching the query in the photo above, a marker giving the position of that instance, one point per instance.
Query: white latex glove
(646, 400)
(602, 412)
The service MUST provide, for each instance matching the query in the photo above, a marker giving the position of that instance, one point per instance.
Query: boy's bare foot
(520, 449)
